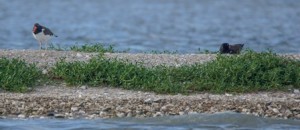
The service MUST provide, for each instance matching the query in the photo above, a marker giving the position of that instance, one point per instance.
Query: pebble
(59, 116)
(158, 114)
(74, 108)
(83, 87)
(44, 71)
(21, 116)
(148, 100)
(120, 114)
(103, 114)
(275, 110)
(93, 116)
(79, 55)
(182, 113)
(229, 95)
(81, 112)
(129, 114)
(288, 113)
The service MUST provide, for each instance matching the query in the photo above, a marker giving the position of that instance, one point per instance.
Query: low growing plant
(16, 75)
(247, 72)
(93, 48)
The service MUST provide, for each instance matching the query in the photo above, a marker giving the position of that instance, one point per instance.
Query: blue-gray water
(219, 121)
(145, 25)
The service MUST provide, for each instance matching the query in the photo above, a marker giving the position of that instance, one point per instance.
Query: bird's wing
(47, 31)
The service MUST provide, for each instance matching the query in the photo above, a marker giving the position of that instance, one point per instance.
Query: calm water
(145, 25)
(199, 121)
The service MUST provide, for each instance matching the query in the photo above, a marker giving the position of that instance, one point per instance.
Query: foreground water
(227, 120)
(144, 25)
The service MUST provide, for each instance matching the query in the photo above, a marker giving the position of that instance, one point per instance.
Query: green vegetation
(16, 75)
(93, 48)
(96, 47)
(247, 72)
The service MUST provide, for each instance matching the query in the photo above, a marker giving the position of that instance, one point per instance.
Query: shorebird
(42, 34)
(231, 49)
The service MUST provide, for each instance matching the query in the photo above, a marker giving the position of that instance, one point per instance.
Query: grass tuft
(16, 75)
(93, 47)
(247, 72)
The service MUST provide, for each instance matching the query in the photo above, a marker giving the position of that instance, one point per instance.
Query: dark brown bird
(231, 49)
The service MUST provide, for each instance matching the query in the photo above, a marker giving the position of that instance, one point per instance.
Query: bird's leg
(40, 45)
(46, 44)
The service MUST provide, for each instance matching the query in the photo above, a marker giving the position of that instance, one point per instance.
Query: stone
(167, 107)
(182, 113)
(59, 116)
(138, 112)
(275, 110)
(296, 91)
(129, 114)
(45, 71)
(288, 113)
(81, 112)
(21, 116)
(297, 116)
(157, 114)
(103, 114)
(228, 94)
(83, 87)
(244, 110)
(79, 55)
(107, 109)
(93, 116)
(74, 108)
(148, 100)
(120, 114)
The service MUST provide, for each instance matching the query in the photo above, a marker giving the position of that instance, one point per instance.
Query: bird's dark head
(224, 48)
(225, 44)
(36, 28)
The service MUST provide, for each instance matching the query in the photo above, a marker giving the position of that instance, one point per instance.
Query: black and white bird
(42, 34)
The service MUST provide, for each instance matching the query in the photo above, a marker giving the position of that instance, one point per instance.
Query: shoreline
(61, 101)
(105, 102)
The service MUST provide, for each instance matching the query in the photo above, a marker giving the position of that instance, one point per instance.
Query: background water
(145, 25)
(201, 121)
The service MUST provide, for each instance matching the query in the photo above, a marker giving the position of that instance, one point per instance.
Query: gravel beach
(61, 101)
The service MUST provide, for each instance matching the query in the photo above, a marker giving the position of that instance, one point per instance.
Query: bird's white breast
(41, 37)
